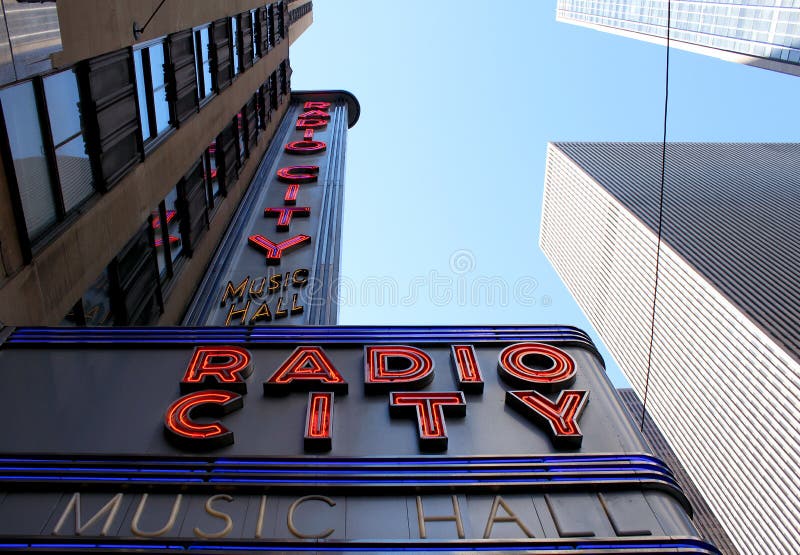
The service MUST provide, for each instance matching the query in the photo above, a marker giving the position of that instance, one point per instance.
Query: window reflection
(30, 165)
(74, 168)
(235, 42)
(203, 58)
(151, 89)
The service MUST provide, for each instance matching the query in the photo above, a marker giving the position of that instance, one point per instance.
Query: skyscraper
(756, 32)
(703, 518)
(127, 147)
(725, 378)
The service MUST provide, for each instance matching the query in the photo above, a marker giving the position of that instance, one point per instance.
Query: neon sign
(215, 381)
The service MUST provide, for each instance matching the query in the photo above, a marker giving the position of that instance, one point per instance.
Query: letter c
(293, 507)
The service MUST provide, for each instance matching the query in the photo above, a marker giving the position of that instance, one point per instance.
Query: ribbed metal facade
(765, 33)
(725, 376)
(703, 518)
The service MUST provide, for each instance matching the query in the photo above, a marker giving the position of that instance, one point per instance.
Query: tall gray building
(725, 372)
(703, 518)
(763, 33)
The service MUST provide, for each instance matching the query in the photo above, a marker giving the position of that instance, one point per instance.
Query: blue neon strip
(687, 547)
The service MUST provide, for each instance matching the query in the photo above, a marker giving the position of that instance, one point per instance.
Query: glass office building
(763, 33)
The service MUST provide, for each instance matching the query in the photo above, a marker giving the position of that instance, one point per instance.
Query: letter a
(306, 369)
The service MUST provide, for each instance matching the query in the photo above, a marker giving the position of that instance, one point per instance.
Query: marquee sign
(341, 438)
(277, 263)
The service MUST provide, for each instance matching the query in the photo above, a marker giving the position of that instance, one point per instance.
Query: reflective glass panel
(159, 87)
(27, 150)
(142, 93)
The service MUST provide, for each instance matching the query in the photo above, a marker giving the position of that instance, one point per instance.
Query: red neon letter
(305, 147)
(390, 366)
(429, 409)
(298, 174)
(221, 367)
(319, 422)
(560, 417)
(315, 114)
(306, 368)
(536, 365)
(291, 194)
(183, 431)
(284, 215)
(316, 105)
(468, 374)
(276, 250)
(310, 123)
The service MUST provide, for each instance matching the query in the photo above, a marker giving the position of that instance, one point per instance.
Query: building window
(133, 277)
(254, 33)
(94, 307)
(51, 166)
(212, 181)
(167, 239)
(202, 54)
(236, 45)
(240, 125)
(72, 161)
(154, 114)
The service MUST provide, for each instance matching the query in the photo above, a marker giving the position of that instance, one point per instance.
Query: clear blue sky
(446, 166)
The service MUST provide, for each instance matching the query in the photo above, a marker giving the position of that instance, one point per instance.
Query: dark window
(280, 33)
(255, 34)
(221, 68)
(262, 30)
(202, 50)
(227, 169)
(112, 123)
(134, 283)
(271, 26)
(151, 88)
(246, 50)
(273, 91)
(193, 206)
(262, 110)
(181, 76)
(240, 125)
(210, 174)
(251, 122)
(236, 43)
(167, 239)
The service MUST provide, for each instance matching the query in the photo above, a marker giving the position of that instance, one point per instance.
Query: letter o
(558, 374)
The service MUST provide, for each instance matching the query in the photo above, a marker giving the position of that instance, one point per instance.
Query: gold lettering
(295, 308)
(497, 503)
(290, 517)
(274, 283)
(280, 312)
(262, 509)
(262, 313)
(233, 293)
(111, 508)
(300, 281)
(167, 527)
(241, 314)
(260, 291)
(219, 514)
(456, 517)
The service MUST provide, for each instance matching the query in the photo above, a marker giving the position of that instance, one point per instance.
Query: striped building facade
(762, 33)
(725, 376)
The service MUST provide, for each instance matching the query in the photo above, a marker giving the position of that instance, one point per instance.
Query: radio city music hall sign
(215, 383)
(255, 300)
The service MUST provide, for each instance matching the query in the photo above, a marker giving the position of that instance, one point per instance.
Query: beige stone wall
(93, 27)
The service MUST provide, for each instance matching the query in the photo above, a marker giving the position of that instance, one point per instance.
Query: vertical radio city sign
(336, 439)
(278, 263)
